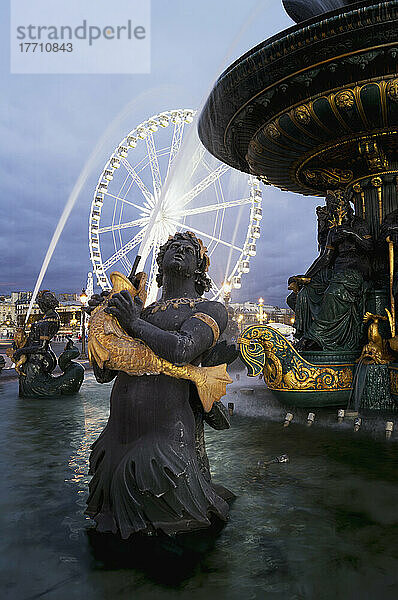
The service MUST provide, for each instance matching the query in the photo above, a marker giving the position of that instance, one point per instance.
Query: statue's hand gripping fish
(110, 347)
(20, 340)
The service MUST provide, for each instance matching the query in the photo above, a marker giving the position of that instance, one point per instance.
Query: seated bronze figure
(329, 299)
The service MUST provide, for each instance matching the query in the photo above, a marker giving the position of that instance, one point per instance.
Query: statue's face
(45, 302)
(180, 258)
(41, 305)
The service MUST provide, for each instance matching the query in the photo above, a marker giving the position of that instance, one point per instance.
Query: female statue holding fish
(147, 475)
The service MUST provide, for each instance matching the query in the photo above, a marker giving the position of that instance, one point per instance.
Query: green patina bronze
(376, 393)
(311, 110)
(312, 379)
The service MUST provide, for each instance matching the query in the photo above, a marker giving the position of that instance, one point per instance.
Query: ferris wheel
(131, 213)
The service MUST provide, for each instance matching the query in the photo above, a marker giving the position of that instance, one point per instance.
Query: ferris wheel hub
(159, 213)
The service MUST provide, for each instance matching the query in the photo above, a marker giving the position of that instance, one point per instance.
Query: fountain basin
(300, 109)
(289, 523)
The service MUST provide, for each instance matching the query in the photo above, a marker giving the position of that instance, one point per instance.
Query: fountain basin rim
(249, 93)
(293, 29)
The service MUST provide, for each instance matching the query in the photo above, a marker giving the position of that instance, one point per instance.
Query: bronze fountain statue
(35, 360)
(150, 469)
(314, 110)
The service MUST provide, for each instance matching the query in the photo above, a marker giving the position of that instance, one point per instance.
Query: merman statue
(35, 360)
(149, 465)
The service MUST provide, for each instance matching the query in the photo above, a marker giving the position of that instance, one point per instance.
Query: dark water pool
(322, 526)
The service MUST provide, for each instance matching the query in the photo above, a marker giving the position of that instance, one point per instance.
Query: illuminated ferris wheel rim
(157, 222)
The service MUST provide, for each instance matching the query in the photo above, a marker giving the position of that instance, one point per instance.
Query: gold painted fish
(110, 347)
(20, 340)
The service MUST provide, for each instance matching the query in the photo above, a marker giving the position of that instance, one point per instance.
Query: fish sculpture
(110, 347)
(20, 340)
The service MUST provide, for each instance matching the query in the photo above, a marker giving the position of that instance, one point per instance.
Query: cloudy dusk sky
(50, 124)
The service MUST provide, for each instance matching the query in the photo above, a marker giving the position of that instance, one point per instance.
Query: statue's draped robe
(329, 310)
(147, 475)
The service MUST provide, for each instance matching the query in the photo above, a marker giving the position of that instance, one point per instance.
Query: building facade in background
(14, 308)
(250, 313)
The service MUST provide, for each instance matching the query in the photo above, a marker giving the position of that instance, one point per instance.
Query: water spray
(310, 419)
(77, 188)
(288, 419)
(283, 458)
(389, 429)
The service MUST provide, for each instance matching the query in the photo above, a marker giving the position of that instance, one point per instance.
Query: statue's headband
(202, 249)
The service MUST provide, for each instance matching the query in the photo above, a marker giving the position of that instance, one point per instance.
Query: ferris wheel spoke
(169, 229)
(212, 207)
(153, 261)
(155, 169)
(197, 159)
(210, 237)
(136, 223)
(143, 208)
(152, 291)
(124, 250)
(203, 185)
(175, 144)
(137, 179)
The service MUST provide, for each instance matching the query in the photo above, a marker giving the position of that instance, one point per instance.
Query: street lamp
(262, 316)
(73, 322)
(240, 319)
(83, 300)
(227, 287)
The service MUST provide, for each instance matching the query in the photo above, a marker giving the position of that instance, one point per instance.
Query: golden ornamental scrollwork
(392, 90)
(376, 182)
(333, 177)
(374, 154)
(302, 115)
(273, 372)
(394, 381)
(345, 99)
(338, 152)
(258, 148)
(272, 131)
(265, 350)
(305, 379)
(345, 378)
(376, 351)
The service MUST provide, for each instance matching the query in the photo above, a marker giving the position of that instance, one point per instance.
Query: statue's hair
(202, 282)
(47, 299)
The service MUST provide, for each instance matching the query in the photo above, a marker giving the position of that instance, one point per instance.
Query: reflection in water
(322, 525)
